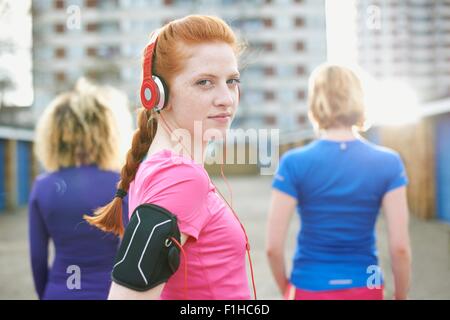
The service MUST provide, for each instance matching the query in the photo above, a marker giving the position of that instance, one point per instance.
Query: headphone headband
(153, 89)
(148, 55)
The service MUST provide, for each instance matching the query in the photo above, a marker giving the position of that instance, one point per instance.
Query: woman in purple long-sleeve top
(78, 143)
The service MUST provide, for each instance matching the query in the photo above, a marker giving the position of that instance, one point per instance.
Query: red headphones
(154, 93)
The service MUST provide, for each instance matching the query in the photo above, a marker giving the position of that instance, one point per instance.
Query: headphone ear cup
(149, 94)
(163, 92)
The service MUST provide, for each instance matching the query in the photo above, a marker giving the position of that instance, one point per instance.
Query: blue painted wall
(23, 172)
(443, 167)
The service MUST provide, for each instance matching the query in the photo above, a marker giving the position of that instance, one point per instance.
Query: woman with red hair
(193, 66)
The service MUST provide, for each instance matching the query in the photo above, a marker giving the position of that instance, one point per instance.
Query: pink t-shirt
(215, 250)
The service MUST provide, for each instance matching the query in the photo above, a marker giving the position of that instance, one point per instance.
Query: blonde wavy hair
(335, 98)
(86, 126)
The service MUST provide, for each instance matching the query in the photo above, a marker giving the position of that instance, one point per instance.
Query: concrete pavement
(430, 245)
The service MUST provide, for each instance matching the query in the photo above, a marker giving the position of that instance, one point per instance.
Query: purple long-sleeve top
(84, 255)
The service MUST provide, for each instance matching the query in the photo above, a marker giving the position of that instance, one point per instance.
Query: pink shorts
(364, 293)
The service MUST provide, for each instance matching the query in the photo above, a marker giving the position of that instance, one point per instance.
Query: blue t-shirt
(339, 187)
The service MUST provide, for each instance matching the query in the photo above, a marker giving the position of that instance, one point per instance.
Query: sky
(15, 26)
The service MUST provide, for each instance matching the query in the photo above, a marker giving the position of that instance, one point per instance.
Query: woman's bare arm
(280, 213)
(395, 209)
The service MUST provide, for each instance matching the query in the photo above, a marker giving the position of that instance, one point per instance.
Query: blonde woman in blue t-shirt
(338, 184)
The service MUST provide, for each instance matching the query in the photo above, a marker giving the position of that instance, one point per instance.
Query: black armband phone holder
(147, 256)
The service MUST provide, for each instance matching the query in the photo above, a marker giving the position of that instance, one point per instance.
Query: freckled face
(206, 90)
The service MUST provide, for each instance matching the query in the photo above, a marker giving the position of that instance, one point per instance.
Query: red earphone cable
(247, 245)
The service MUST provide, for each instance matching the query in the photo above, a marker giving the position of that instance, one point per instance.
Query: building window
(91, 27)
(59, 28)
(299, 46)
(60, 76)
(301, 119)
(269, 95)
(268, 46)
(270, 120)
(299, 22)
(91, 3)
(60, 53)
(268, 23)
(301, 95)
(300, 70)
(58, 4)
(269, 71)
(91, 52)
